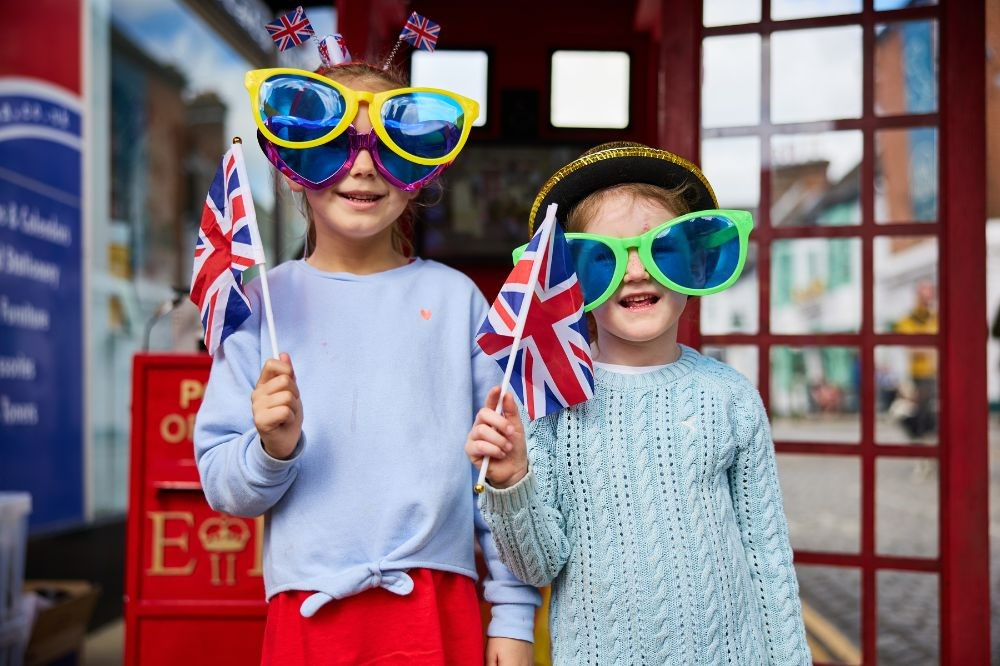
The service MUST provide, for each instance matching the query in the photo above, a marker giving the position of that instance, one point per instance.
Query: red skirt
(438, 623)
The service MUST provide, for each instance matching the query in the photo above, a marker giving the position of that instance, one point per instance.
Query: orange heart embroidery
(426, 314)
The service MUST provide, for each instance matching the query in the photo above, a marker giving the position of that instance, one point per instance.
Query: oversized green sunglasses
(697, 254)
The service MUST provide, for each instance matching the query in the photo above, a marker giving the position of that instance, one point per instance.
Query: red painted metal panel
(193, 589)
(964, 547)
(678, 108)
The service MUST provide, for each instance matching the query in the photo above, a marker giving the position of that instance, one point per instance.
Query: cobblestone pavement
(822, 502)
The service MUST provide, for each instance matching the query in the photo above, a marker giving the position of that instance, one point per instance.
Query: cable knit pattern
(654, 510)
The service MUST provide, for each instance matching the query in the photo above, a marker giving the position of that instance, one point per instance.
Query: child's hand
(277, 409)
(509, 651)
(500, 438)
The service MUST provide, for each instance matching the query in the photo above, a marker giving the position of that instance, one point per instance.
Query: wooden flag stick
(255, 239)
(522, 317)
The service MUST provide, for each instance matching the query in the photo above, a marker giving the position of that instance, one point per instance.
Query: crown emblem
(223, 534)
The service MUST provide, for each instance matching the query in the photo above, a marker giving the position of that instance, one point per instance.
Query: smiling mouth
(639, 302)
(361, 197)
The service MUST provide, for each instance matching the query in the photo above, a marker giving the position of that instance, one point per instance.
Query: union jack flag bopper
(291, 29)
(228, 243)
(421, 32)
(552, 368)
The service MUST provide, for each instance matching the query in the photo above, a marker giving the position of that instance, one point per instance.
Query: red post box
(193, 591)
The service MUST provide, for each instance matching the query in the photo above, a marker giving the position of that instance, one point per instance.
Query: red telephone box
(193, 590)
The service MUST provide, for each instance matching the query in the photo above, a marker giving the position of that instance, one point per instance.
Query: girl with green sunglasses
(653, 509)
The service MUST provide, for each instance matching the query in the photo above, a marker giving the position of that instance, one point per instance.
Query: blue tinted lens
(700, 253)
(297, 108)
(595, 266)
(318, 163)
(423, 124)
(401, 168)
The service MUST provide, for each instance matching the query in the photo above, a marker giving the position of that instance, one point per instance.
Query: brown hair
(365, 73)
(677, 200)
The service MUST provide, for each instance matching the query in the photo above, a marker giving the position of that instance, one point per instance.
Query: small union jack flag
(228, 243)
(290, 30)
(421, 32)
(552, 365)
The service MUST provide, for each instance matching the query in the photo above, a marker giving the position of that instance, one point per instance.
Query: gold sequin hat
(614, 164)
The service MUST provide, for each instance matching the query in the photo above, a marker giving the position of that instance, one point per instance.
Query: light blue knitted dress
(654, 510)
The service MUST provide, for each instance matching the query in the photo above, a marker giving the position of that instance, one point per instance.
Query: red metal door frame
(963, 561)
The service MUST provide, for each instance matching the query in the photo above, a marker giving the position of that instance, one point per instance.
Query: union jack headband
(419, 31)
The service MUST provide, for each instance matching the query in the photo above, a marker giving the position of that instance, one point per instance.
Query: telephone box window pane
(730, 12)
(816, 285)
(831, 608)
(822, 500)
(814, 394)
(808, 82)
(881, 5)
(906, 507)
(906, 67)
(816, 179)
(590, 89)
(906, 279)
(730, 91)
(906, 395)
(906, 180)
(792, 9)
(732, 166)
(909, 618)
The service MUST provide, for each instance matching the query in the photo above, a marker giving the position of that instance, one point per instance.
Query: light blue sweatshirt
(390, 379)
(655, 511)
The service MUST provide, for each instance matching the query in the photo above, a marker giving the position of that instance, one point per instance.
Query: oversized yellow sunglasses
(294, 108)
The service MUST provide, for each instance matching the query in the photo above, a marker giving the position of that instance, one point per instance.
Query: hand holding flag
(536, 329)
(228, 243)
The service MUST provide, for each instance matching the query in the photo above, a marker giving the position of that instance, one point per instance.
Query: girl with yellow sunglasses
(354, 454)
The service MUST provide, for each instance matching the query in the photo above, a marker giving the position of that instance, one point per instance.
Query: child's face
(637, 325)
(363, 206)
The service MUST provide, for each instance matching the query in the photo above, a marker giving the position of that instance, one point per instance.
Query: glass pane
(906, 507)
(742, 358)
(816, 285)
(906, 400)
(831, 611)
(814, 394)
(465, 72)
(896, 4)
(732, 166)
(906, 175)
(906, 67)
(908, 618)
(730, 12)
(590, 89)
(734, 310)
(822, 499)
(905, 284)
(790, 9)
(730, 91)
(816, 74)
(816, 179)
